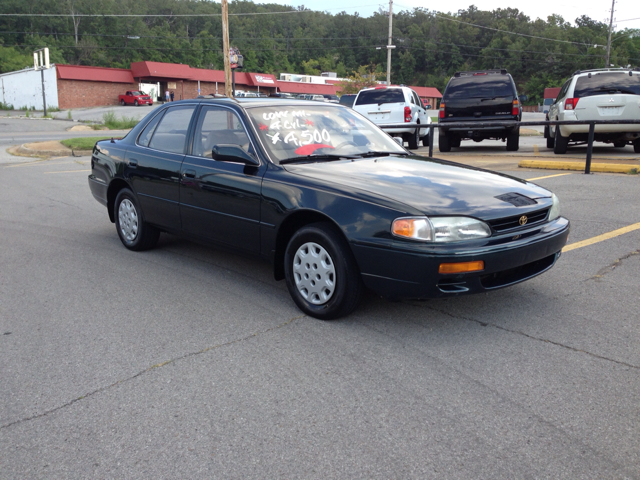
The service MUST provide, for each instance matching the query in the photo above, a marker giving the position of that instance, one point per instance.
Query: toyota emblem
(523, 220)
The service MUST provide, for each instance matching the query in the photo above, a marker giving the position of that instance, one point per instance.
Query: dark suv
(484, 96)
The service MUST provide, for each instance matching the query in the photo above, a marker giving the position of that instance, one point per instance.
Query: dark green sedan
(330, 200)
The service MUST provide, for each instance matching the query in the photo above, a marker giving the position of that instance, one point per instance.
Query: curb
(24, 151)
(580, 166)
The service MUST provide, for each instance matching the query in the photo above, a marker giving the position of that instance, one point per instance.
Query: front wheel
(122, 103)
(135, 103)
(321, 273)
(636, 145)
(547, 135)
(134, 233)
(425, 140)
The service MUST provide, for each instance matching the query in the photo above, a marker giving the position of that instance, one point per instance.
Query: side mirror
(523, 98)
(232, 153)
(399, 140)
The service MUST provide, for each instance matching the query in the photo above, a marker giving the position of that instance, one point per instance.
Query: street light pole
(389, 42)
(225, 50)
(606, 63)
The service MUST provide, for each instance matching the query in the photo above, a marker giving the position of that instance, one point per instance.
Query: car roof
(257, 102)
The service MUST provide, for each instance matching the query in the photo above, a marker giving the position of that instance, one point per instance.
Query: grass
(6, 106)
(82, 143)
(112, 123)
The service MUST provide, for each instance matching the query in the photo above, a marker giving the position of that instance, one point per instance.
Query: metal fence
(475, 125)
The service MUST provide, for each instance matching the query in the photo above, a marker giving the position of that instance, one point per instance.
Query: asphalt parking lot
(191, 362)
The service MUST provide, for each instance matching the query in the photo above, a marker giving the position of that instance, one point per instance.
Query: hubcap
(128, 220)
(314, 273)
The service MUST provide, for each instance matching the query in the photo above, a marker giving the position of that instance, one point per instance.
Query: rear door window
(607, 83)
(378, 97)
(171, 134)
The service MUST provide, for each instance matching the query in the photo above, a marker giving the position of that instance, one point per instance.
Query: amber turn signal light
(461, 267)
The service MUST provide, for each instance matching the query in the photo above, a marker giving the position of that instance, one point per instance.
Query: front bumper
(410, 273)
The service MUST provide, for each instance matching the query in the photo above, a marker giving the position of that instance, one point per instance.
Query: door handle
(189, 174)
(133, 163)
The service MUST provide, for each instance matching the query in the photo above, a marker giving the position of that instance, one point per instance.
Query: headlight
(440, 229)
(555, 208)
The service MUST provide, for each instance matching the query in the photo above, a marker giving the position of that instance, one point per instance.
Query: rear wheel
(425, 140)
(636, 145)
(122, 103)
(547, 135)
(414, 139)
(134, 233)
(444, 143)
(561, 143)
(321, 273)
(513, 140)
(455, 141)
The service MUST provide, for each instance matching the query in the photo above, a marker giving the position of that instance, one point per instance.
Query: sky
(625, 10)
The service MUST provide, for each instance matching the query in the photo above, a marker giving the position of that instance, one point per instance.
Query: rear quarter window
(369, 97)
(479, 86)
(607, 83)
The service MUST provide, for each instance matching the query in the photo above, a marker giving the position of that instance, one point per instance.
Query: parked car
(329, 199)
(331, 98)
(600, 94)
(134, 97)
(347, 99)
(480, 96)
(393, 107)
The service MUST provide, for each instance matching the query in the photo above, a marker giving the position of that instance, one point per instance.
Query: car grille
(512, 223)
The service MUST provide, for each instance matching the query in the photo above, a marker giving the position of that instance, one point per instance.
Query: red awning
(551, 92)
(262, 80)
(311, 88)
(94, 74)
(174, 71)
(204, 75)
(427, 92)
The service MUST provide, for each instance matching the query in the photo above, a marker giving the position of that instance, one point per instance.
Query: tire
(513, 140)
(619, 144)
(455, 141)
(414, 140)
(321, 273)
(425, 140)
(444, 143)
(636, 145)
(547, 135)
(122, 103)
(135, 102)
(134, 233)
(561, 143)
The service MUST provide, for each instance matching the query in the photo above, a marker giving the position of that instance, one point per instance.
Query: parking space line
(547, 176)
(70, 171)
(39, 163)
(600, 238)
(536, 150)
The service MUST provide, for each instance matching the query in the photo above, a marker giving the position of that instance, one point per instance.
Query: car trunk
(608, 107)
(381, 105)
(489, 107)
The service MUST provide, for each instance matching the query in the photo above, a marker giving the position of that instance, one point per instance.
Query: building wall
(80, 93)
(24, 89)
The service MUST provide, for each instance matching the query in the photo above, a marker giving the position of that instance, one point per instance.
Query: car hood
(431, 186)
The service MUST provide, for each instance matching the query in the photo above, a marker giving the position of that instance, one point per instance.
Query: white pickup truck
(395, 106)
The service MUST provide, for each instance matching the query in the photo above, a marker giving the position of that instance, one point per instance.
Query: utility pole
(613, 6)
(389, 46)
(228, 89)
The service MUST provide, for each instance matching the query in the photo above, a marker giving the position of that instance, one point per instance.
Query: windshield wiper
(488, 98)
(379, 154)
(315, 158)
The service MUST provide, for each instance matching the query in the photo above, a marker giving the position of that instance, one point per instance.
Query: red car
(136, 98)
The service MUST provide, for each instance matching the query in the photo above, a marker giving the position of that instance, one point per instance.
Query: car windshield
(479, 86)
(137, 93)
(308, 131)
(380, 96)
(606, 83)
